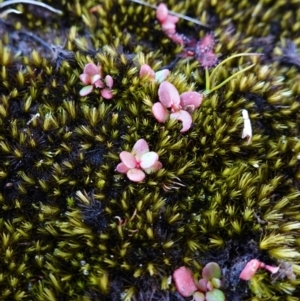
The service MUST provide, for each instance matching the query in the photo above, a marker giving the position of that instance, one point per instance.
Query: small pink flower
(159, 76)
(180, 105)
(92, 76)
(138, 162)
(252, 266)
(184, 281)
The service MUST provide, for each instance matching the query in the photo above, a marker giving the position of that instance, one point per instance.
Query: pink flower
(180, 105)
(92, 76)
(138, 162)
(252, 266)
(159, 76)
(184, 281)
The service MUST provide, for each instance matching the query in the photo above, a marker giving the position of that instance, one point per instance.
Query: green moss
(72, 228)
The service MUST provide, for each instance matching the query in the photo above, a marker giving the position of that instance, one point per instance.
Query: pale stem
(207, 80)
(33, 2)
(232, 57)
(229, 78)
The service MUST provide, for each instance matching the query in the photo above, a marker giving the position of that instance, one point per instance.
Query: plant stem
(232, 57)
(229, 78)
(33, 2)
(207, 80)
(195, 21)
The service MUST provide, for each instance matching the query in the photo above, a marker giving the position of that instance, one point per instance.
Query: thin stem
(207, 80)
(229, 78)
(195, 21)
(33, 2)
(9, 11)
(232, 57)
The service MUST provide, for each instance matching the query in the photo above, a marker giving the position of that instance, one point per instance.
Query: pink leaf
(85, 78)
(136, 175)
(184, 117)
(168, 95)
(90, 69)
(157, 165)
(191, 98)
(148, 160)
(109, 81)
(184, 281)
(270, 268)
(250, 269)
(211, 270)
(146, 71)
(168, 27)
(140, 147)
(202, 285)
(162, 12)
(198, 296)
(160, 112)
(128, 159)
(107, 93)
(161, 75)
(86, 90)
(122, 168)
(172, 19)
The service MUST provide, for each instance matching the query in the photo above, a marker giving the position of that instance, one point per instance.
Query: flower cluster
(207, 288)
(92, 77)
(138, 162)
(204, 51)
(176, 106)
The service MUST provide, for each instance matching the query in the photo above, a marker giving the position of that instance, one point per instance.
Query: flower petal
(86, 90)
(128, 159)
(168, 95)
(85, 78)
(161, 75)
(95, 78)
(191, 98)
(109, 81)
(147, 71)
(99, 84)
(107, 93)
(184, 117)
(122, 168)
(136, 175)
(140, 147)
(90, 69)
(148, 160)
(157, 166)
(160, 112)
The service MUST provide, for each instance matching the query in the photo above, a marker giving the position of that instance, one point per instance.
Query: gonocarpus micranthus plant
(92, 77)
(139, 162)
(176, 106)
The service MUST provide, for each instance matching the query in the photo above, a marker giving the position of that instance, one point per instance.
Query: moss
(72, 228)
